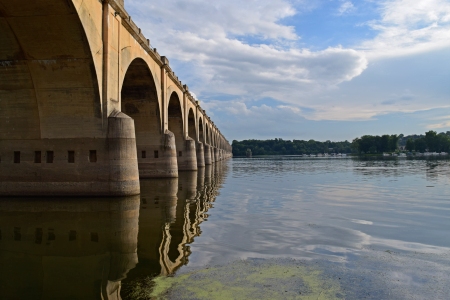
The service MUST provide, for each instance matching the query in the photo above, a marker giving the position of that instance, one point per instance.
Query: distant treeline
(431, 141)
(376, 143)
(287, 147)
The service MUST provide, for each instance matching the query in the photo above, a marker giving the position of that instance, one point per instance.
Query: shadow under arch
(185, 146)
(48, 82)
(192, 131)
(139, 100)
(201, 132)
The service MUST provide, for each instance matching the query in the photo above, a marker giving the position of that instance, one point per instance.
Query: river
(261, 228)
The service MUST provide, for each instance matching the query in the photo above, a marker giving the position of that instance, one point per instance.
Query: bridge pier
(188, 159)
(216, 154)
(213, 157)
(72, 166)
(200, 155)
(160, 160)
(207, 152)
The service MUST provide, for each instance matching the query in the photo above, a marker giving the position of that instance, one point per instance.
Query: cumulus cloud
(244, 50)
(238, 68)
(214, 37)
(408, 27)
(211, 19)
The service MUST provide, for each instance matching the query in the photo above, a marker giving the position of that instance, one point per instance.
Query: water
(342, 228)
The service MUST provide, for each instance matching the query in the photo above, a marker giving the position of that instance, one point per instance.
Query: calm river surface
(261, 228)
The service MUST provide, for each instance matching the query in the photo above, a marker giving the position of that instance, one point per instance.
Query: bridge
(88, 106)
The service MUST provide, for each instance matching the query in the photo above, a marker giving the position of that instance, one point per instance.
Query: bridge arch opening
(140, 101)
(48, 82)
(201, 135)
(191, 125)
(176, 122)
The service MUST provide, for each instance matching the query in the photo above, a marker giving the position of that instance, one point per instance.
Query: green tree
(432, 140)
(410, 145)
(420, 144)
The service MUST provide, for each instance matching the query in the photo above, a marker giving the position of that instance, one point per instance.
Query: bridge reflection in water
(61, 248)
(170, 217)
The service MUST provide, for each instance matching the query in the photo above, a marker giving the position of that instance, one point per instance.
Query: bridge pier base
(200, 155)
(216, 154)
(73, 166)
(207, 152)
(188, 159)
(159, 163)
(213, 157)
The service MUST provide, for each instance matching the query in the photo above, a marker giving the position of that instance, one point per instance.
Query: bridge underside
(55, 136)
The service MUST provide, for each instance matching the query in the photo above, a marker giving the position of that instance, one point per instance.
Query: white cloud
(212, 19)
(409, 27)
(243, 50)
(346, 7)
(209, 35)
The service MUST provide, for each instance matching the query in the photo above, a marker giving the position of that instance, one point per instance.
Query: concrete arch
(175, 119)
(211, 135)
(207, 136)
(201, 131)
(185, 146)
(131, 61)
(192, 126)
(140, 102)
(48, 81)
(173, 90)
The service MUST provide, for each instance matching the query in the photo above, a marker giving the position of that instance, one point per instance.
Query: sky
(308, 69)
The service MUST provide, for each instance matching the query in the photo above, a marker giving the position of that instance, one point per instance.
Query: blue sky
(304, 69)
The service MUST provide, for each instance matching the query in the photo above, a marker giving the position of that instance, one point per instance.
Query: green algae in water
(250, 279)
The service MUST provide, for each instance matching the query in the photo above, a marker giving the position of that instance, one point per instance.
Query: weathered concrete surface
(65, 68)
(207, 152)
(123, 171)
(113, 170)
(216, 154)
(200, 155)
(160, 163)
(213, 156)
(188, 162)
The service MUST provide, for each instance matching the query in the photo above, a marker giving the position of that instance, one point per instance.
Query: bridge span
(87, 106)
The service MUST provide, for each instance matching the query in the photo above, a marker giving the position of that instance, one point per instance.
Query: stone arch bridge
(87, 106)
